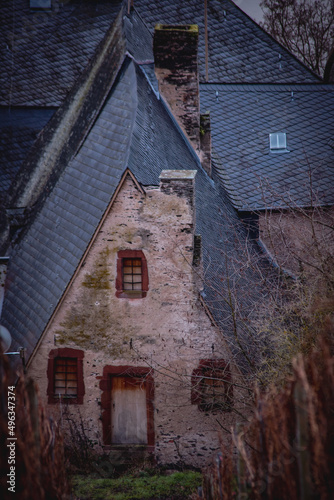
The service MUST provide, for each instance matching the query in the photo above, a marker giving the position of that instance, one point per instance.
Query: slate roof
(43, 53)
(19, 128)
(135, 130)
(239, 50)
(44, 262)
(243, 116)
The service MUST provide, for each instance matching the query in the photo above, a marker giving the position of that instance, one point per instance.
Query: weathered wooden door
(128, 411)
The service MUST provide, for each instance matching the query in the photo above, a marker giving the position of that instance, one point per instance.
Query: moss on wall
(100, 279)
(89, 323)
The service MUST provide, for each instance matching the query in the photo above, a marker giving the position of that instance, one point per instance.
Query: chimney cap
(177, 27)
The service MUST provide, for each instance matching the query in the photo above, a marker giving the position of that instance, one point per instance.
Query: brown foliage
(286, 452)
(39, 457)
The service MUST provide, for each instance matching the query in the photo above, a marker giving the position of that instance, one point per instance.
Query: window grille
(212, 388)
(132, 274)
(66, 377)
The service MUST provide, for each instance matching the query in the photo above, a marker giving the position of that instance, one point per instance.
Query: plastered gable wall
(167, 331)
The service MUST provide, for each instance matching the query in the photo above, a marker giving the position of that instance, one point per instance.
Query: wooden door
(128, 411)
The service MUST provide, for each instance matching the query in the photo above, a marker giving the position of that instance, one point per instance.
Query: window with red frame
(65, 376)
(132, 275)
(211, 386)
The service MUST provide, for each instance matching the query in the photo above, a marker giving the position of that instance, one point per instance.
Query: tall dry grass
(39, 456)
(287, 450)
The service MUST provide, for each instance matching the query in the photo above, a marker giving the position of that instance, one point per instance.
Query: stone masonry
(168, 331)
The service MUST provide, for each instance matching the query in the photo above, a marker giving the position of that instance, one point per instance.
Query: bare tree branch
(305, 27)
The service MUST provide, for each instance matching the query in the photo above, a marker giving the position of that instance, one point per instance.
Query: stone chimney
(179, 182)
(176, 68)
(182, 183)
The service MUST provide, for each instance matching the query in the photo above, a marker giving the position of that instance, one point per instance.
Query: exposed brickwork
(176, 68)
(167, 331)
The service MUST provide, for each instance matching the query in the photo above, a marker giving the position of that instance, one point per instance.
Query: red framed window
(65, 376)
(132, 274)
(211, 386)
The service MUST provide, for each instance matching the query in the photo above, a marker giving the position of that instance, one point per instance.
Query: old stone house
(135, 270)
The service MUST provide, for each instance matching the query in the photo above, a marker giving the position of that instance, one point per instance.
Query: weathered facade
(130, 279)
(153, 342)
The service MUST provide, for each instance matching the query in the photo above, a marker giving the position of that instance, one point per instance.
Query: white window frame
(277, 142)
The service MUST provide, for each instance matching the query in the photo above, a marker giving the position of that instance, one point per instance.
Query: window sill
(121, 294)
(139, 448)
(219, 408)
(78, 400)
(278, 151)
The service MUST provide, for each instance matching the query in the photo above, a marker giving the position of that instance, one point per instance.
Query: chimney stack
(176, 68)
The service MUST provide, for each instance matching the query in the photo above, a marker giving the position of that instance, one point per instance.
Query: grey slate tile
(249, 114)
(18, 130)
(53, 55)
(239, 50)
(57, 239)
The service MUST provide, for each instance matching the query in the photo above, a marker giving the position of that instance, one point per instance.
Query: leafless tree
(305, 27)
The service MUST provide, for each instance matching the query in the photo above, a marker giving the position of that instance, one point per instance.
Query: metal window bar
(132, 274)
(66, 377)
(213, 390)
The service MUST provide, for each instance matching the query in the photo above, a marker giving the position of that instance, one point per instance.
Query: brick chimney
(176, 68)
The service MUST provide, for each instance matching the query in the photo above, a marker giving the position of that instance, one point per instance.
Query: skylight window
(278, 142)
(40, 4)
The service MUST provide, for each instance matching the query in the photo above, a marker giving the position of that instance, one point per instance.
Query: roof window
(278, 142)
(40, 4)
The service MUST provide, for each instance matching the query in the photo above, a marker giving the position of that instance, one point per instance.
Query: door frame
(106, 401)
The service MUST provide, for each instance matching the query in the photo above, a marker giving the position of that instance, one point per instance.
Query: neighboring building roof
(70, 27)
(134, 129)
(19, 128)
(243, 116)
(43, 53)
(238, 49)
